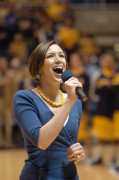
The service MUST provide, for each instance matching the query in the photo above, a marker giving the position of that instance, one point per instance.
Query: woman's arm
(50, 131)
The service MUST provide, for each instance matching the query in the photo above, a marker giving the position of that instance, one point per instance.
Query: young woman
(49, 119)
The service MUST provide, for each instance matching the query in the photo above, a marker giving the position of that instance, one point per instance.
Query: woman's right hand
(70, 86)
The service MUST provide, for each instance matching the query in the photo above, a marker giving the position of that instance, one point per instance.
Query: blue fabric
(32, 172)
(31, 113)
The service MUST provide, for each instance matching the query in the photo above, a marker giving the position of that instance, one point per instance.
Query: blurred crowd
(21, 30)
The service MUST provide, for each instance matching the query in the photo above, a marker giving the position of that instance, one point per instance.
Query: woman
(49, 119)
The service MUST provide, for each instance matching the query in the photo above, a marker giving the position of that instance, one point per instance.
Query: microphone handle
(81, 95)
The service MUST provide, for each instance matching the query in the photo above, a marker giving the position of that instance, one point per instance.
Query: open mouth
(58, 70)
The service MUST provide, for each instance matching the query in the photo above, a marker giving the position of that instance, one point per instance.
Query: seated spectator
(4, 38)
(47, 32)
(11, 20)
(25, 23)
(56, 9)
(86, 43)
(69, 36)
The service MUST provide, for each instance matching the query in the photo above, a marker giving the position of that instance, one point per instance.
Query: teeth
(58, 68)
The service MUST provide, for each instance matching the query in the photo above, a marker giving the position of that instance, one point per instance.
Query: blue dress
(31, 113)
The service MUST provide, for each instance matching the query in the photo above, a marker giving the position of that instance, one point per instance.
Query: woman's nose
(57, 59)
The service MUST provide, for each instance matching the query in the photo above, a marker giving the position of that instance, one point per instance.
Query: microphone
(79, 92)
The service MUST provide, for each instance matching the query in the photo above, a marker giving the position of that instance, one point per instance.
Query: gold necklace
(53, 104)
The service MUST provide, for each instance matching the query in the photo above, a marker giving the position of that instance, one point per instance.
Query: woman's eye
(50, 56)
(61, 55)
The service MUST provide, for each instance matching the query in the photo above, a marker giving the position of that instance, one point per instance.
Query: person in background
(47, 32)
(86, 42)
(76, 66)
(25, 23)
(90, 66)
(11, 21)
(102, 116)
(6, 97)
(15, 69)
(55, 9)
(4, 38)
(18, 48)
(69, 36)
(114, 165)
(26, 81)
(48, 118)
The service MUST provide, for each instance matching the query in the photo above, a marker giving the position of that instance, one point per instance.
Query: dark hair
(37, 58)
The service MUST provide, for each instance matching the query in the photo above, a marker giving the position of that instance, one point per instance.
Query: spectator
(86, 42)
(115, 127)
(11, 21)
(26, 81)
(4, 38)
(69, 36)
(6, 97)
(76, 66)
(89, 65)
(96, 56)
(47, 32)
(56, 9)
(18, 48)
(25, 23)
(15, 70)
(102, 120)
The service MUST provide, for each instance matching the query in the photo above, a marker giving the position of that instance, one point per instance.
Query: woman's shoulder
(22, 93)
(23, 98)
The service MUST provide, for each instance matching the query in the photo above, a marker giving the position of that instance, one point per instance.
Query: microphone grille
(66, 75)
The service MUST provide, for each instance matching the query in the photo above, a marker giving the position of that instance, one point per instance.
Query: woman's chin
(57, 77)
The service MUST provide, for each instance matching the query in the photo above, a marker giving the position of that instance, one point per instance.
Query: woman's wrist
(71, 101)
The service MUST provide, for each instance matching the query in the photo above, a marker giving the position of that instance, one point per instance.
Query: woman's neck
(51, 91)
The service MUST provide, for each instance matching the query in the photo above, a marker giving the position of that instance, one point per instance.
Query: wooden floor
(12, 161)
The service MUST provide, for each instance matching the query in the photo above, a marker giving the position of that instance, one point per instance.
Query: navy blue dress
(31, 113)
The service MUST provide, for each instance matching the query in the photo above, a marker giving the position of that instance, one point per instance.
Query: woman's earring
(37, 77)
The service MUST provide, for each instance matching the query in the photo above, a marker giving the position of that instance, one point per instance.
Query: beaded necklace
(53, 104)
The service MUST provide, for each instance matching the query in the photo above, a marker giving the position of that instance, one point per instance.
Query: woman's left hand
(76, 153)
